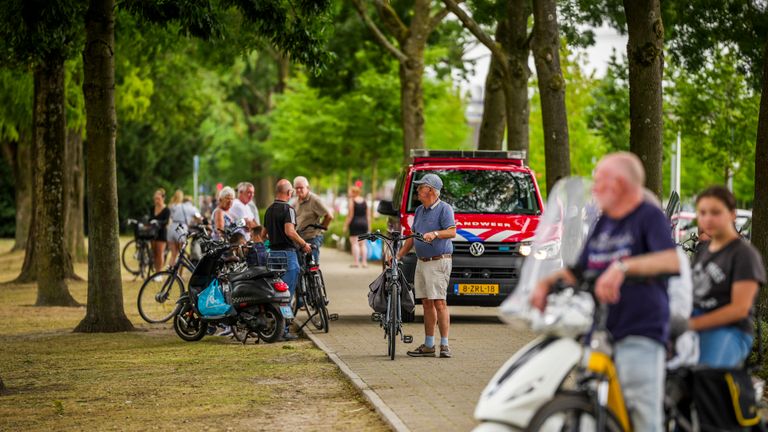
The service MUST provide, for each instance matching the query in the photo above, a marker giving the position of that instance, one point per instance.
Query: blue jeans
(724, 347)
(640, 366)
(316, 243)
(291, 275)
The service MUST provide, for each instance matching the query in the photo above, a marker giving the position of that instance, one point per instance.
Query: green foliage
(296, 27)
(716, 111)
(32, 31)
(312, 133)
(609, 114)
(16, 94)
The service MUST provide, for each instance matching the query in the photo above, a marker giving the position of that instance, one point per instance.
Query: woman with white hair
(221, 217)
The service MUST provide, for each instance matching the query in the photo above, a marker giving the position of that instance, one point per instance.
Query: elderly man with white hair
(241, 208)
(310, 210)
(632, 239)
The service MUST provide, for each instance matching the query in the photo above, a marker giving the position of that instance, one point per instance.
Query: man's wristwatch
(436, 234)
(621, 265)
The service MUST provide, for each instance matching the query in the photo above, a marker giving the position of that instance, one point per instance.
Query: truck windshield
(483, 191)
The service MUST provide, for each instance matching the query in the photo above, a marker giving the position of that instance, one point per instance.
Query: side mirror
(386, 208)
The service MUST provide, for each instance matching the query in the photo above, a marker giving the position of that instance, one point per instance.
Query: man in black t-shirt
(280, 222)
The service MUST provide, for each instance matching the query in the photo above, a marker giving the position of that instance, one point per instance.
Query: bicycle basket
(146, 231)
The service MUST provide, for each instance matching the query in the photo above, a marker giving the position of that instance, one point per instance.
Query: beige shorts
(431, 279)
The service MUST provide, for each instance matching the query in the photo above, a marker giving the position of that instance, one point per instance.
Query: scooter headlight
(548, 250)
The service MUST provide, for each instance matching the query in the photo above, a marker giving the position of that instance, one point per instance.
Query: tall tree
(511, 53)
(53, 258)
(105, 311)
(493, 124)
(646, 62)
(41, 36)
(412, 43)
(546, 54)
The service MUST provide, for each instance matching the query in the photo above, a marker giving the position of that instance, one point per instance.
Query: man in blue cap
(434, 220)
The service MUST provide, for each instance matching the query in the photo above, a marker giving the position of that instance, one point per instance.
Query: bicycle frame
(393, 243)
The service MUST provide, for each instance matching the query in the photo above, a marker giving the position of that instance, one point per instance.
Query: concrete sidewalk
(425, 394)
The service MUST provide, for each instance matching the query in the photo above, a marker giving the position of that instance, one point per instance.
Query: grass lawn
(152, 380)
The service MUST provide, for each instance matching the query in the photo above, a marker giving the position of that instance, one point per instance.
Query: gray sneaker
(422, 351)
(445, 351)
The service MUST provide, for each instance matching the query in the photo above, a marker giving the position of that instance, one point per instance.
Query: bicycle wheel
(392, 323)
(321, 302)
(323, 293)
(570, 412)
(130, 258)
(158, 296)
(315, 304)
(146, 260)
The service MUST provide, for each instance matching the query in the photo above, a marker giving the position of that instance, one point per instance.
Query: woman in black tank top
(358, 222)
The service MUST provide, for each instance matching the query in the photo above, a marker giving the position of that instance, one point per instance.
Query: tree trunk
(516, 85)
(74, 231)
(16, 154)
(546, 55)
(412, 104)
(23, 182)
(50, 142)
(760, 204)
(646, 60)
(105, 311)
(494, 118)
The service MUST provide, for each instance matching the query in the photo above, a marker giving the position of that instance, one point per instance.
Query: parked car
(497, 206)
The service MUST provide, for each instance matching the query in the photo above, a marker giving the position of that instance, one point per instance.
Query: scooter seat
(249, 273)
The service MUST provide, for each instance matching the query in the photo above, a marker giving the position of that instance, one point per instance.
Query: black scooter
(260, 299)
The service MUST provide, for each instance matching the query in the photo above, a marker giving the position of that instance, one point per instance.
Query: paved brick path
(426, 394)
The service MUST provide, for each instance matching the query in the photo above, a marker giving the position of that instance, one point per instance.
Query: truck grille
(484, 273)
(491, 248)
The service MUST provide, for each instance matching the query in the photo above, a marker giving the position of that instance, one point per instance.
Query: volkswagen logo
(476, 249)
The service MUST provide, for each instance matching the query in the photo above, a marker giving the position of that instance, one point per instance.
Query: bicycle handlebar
(378, 234)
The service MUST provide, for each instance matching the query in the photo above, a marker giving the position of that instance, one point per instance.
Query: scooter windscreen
(569, 214)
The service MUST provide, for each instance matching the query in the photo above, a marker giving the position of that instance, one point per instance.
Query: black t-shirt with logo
(275, 218)
(715, 272)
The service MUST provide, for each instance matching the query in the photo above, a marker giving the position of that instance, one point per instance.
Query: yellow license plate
(477, 289)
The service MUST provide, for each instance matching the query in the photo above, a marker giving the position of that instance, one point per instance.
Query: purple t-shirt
(643, 309)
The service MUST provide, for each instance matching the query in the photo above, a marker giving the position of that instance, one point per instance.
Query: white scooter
(533, 375)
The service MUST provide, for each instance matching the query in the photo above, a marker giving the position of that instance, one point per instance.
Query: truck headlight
(525, 248)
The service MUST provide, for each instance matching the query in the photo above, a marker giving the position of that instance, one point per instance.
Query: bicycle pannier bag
(377, 295)
(725, 400)
(407, 300)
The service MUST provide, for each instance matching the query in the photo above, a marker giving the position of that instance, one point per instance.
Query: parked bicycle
(137, 255)
(160, 291)
(311, 292)
(392, 320)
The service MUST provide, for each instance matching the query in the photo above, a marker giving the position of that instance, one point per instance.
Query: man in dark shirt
(631, 238)
(280, 222)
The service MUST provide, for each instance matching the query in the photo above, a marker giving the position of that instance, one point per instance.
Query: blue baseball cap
(431, 180)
